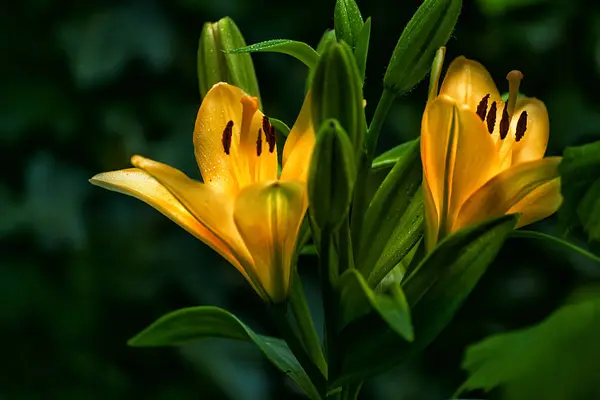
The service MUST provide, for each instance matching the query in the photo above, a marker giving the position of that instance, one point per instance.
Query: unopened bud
(215, 66)
(336, 92)
(347, 21)
(427, 31)
(331, 176)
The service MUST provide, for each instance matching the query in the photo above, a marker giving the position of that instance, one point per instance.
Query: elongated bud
(347, 21)
(331, 176)
(427, 31)
(337, 93)
(215, 66)
(326, 39)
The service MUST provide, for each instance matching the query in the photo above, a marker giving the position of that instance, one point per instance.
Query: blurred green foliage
(86, 85)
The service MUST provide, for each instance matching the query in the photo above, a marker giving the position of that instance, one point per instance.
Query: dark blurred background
(85, 85)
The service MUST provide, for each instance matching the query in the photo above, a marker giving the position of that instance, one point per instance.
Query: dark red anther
(504, 123)
(259, 143)
(226, 139)
(272, 139)
(266, 125)
(491, 118)
(482, 107)
(521, 126)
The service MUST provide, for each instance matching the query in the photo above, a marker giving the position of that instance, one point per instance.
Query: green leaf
(298, 50)
(280, 126)
(394, 219)
(362, 47)
(347, 21)
(309, 250)
(355, 294)
(580, 187)
(197, 323)
(326, 39)
(435, 291)
(405, 235)
(554, 360)
(521, 233)
(388, 159)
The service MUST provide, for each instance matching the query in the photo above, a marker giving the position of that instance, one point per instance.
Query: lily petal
(467, 82)
(268, 216)
(221, 104)
(541, 203)
(249, 157)
(141, 185)
(432, 217)
(532, 145)
(212, 208)
(458, 156)
(299, 145)
(531, 188)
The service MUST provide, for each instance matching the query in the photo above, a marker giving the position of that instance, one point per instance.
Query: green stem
(359, 204)
(286, 329)
(351, 391)
(384, 105)
(305, 324)
(564, 243)
(329, 304)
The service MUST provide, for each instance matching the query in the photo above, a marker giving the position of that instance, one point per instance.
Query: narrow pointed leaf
(298, 50)
(357, 298)
(361, 50)
(435, 292)
(406, 234)
(197, 323)
(386, 211)
(390, 157)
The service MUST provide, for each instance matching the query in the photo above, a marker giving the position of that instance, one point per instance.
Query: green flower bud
(331, 176)
(326, 39)
(347, 21)
(429, 29)
(215, 66)
(337, 93)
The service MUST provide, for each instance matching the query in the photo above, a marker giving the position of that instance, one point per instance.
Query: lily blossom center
(484, 157)
(242, 209)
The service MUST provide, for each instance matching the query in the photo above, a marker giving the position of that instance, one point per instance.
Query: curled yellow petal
(468, 82)
(458, 156)
(531, 188)
(299, 145)
(231, 146)
(541, 203)
(141, 185)
(212, 208)
(533, 132)
(268, 216)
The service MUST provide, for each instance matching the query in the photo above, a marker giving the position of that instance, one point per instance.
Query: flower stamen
(269, 133)
(482, 107)
(491, 118)
(504, 123)
(521, 126)
(226, 138)
(272, 139)
(259, 143)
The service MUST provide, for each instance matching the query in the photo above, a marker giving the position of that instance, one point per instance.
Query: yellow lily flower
(482, 157)
(243, 210)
